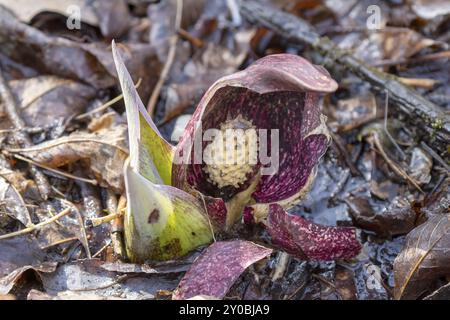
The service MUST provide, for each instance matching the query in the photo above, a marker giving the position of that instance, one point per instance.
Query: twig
(21, 138)
(95, 222)
(189, 37)
(394, 167)
(62, 241)
(36, 226)
(386, 111)
(324, 280)
(52, 144)
(108, 243)
(419, 82)
(341, 148)
(425, 115)
(57, 171)
(436, 157)
(171, 55)
(426, 57)
(119, 279)
(106, 105)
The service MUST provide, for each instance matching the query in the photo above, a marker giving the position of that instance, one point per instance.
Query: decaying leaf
(390, 222)
(105, 151)
(46, 99)
(68, 295)
(443, 293)
(424, 258)
(12, 203)
(83, 279)
(14, 265)
(420, 166)
(31, 254)
(91, 63)
(353, 112)
(215, 271)
(8, 282)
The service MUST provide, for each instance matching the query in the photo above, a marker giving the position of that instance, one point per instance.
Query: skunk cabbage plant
(249, 153)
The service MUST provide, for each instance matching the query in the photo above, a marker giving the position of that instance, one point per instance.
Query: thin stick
(189, 37)
(36, 226)
(52, 144)
(62, 241)
(13, 111)
(436, 157)
(62, 173)
(386, 111)
(419, 82)
(108, 243)
(391, 163)
(106, 105)
(426, 57)
(95, 222)
(171, 55)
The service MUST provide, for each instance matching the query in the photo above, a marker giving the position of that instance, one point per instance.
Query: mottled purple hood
(281, 92)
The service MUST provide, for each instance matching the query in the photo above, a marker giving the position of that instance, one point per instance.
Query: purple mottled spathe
(276, 92)
(281, 92)
(215, 271)
(305, 239)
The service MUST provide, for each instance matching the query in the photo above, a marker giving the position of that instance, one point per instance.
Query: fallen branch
(36, 226)
(432, 122)
(57, 171)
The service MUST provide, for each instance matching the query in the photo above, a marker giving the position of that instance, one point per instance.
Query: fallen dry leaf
(13, 203)
(91, 63)
(390, 222)
(13, 265)
(215, 271)
(424, 258)
(86, 278)
(46, 99)
(104, 151)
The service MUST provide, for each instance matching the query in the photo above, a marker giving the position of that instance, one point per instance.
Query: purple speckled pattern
(305, 239)
(215, 271)
(217, 211)
(294, 114)
(276, 92)
(247, 215)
